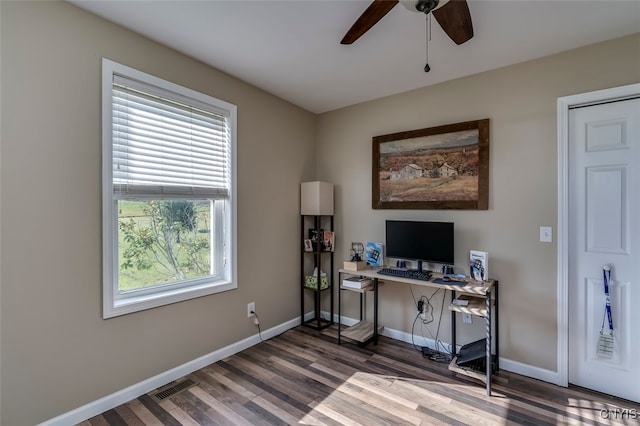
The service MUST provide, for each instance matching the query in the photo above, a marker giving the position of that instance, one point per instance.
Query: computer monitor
(422, 241)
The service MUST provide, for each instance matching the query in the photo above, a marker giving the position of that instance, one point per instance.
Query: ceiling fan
(453, 16)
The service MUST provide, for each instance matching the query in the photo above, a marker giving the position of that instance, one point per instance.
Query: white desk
(479, 290)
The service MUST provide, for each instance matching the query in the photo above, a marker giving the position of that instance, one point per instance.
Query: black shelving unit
(316, 259)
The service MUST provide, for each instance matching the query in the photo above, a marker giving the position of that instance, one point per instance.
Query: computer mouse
(446, 279)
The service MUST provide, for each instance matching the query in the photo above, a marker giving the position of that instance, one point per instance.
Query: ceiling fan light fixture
(426, 6)
(410, 5)
(452, 15)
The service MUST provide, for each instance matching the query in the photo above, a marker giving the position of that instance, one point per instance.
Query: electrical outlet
(251, 307)
(466, 318)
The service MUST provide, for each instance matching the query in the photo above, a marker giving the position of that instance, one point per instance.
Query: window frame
(115, 302)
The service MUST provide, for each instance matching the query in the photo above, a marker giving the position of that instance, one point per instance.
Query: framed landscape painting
(444, 167)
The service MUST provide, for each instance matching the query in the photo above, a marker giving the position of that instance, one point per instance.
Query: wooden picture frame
(443, 167)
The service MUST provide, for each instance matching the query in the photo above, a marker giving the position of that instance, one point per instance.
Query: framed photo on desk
(373, 253)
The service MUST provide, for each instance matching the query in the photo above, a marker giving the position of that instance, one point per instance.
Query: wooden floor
(304, 377)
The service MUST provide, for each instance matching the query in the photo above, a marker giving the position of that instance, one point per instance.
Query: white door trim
(564, 105)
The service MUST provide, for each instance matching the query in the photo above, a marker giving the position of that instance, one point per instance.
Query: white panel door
(604, 228)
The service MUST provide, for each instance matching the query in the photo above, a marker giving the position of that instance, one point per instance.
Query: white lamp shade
(316, 198)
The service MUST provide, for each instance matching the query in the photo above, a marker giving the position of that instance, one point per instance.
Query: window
(168, 192)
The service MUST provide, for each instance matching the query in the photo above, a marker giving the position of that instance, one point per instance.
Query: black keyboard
(405, 273)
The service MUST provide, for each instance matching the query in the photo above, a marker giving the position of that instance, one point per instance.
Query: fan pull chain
(427, 68)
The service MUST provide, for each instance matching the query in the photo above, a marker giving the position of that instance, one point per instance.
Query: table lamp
(316, 199)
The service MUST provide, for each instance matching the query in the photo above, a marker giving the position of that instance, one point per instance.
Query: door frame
(565, 104)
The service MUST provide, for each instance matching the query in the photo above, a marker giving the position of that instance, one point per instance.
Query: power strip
(434, 355)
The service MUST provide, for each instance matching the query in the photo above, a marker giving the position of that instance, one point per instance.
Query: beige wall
(520, 100)
(57, 352)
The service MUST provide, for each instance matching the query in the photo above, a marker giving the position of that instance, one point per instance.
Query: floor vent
(172, 389)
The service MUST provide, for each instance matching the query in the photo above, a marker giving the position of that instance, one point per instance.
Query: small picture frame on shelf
(328, 241)
(308, 246)
(315, 236)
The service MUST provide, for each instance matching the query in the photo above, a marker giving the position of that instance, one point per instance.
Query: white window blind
(164, 149)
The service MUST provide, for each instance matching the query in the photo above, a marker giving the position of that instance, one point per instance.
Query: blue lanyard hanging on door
(606, 272)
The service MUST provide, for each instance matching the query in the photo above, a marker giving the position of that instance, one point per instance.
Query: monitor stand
(419, 265)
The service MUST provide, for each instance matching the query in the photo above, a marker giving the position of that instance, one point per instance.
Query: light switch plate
(546, 234)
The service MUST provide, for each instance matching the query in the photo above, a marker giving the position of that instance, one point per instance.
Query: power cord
(421, 309)
(434, 355)
(438, 342)
(256, 321)
(415, 319)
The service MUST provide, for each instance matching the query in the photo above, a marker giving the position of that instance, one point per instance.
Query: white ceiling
(292, 48)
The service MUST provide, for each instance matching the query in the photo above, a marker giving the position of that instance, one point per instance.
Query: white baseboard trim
(505, 364)
(418, 341)
(108, 402)
(529, 371)
(403, 336)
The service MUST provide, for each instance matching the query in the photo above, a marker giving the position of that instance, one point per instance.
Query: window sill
(113, 308)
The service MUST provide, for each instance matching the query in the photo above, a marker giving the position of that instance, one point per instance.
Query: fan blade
(455, 20)
(368, 19)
